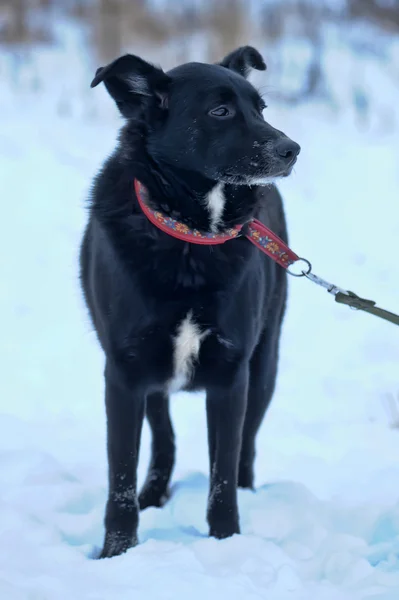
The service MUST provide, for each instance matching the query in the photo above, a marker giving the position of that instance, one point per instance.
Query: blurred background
(341, 53)
(332, 84)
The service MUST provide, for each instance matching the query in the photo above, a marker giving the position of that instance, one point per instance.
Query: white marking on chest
(187, 344)
(215, 201)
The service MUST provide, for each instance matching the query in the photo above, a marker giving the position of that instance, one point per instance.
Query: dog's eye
(262, 105)
(221, 112)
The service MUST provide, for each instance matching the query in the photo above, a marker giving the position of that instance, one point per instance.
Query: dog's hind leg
(155, 490)
(263, 374)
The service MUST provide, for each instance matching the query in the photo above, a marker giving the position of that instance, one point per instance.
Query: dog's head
(203, 118)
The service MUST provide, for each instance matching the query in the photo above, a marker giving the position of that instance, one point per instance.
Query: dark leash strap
(267, 242)
(345, 296)
(369, 306)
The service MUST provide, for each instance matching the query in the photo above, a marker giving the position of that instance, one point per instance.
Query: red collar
(257, 233)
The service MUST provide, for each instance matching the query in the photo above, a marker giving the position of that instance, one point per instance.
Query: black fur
(187, 130)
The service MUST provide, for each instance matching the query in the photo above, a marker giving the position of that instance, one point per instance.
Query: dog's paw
(116, 543)
(246, 477)
(155, 491)
(223, 530)
(153, 495)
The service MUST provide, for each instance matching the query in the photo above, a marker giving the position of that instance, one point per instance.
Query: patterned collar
(257, 233)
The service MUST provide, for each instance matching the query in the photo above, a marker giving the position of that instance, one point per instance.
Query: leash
(266, 241)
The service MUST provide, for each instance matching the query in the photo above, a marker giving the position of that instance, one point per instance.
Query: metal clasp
(330, 287)
(307, 272)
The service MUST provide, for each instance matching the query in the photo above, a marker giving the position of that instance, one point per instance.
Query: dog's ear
(132, 82)
(243, 60)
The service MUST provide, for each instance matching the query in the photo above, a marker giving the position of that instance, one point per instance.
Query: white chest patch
(187, 344)
(215, 201)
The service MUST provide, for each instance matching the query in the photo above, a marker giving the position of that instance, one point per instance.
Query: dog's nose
(287, 149)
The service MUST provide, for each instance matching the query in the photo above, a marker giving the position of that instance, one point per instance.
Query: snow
(324, 522)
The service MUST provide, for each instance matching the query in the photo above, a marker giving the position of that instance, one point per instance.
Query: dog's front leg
(125, 405)
(225, 414)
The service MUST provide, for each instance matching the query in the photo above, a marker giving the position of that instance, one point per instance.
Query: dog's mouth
(257, 174)
(288, 169)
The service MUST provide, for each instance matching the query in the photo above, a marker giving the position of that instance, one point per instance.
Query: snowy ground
(324, 523)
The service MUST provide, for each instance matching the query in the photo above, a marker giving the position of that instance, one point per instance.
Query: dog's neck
(205, 204)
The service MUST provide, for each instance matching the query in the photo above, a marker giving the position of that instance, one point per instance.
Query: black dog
(173, 315)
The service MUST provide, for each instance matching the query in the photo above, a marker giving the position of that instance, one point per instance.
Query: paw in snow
(224, 529)
(117, 543)
(155, 491)
(222, 514)
(246, 476)
(223, 520)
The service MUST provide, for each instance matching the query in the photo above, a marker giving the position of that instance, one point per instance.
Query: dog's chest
(186, 348)
(189, 344)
